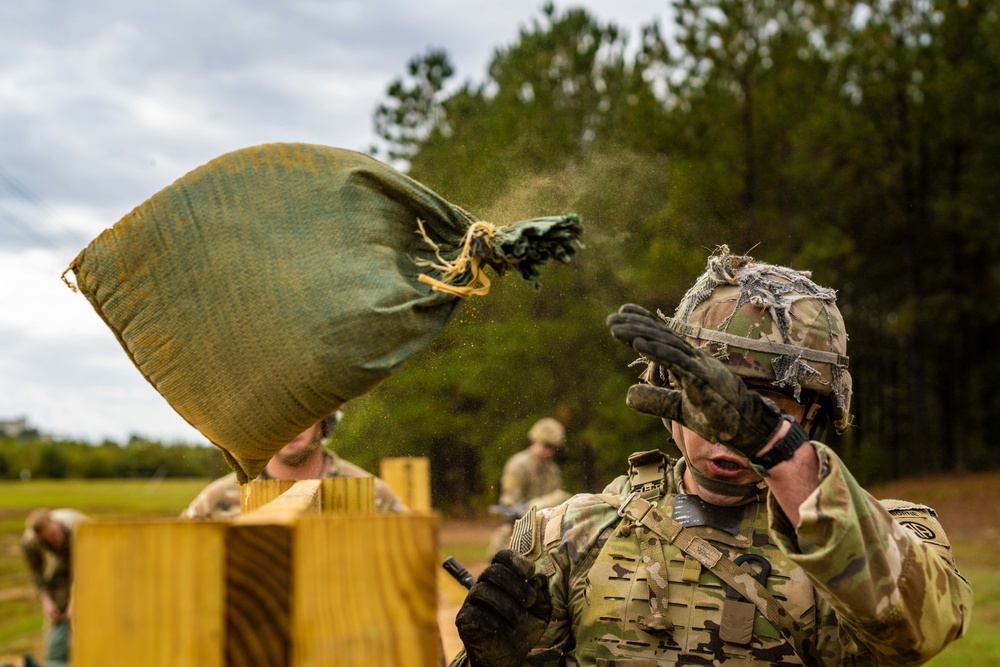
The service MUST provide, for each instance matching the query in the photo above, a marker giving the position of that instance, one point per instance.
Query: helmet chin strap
(742, 491)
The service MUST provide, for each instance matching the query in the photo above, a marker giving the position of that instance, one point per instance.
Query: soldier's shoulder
(29, 539)
(219, 498)
(221, 484)
(386, 499)
(620, 485)
(69, 516)
(575, 524)
(343, 468)
(922, 522)
(523, 458)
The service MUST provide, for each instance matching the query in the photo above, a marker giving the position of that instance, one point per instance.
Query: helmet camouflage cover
(770, 325)
(548, 431)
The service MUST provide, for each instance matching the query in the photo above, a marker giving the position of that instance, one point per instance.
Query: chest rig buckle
(647, 473)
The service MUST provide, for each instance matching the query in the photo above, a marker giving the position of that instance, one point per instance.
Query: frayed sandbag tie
(479, 235)
(523, 245)
(71, 286)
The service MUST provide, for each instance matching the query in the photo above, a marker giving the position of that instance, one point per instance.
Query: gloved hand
(707, 397)
(509, 513)
(505, 612)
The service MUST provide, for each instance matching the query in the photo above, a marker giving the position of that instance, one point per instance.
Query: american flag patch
(523, 536)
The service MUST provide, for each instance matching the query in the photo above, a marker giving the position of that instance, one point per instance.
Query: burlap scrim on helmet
(770, 323)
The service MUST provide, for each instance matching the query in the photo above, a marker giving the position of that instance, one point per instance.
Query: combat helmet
(548, 431)
(774, 327)
(328, 423)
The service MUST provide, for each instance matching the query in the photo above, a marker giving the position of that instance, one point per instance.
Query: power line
(29, 232)
(48, 235)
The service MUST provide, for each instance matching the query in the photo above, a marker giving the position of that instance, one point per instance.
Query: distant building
(12, 428)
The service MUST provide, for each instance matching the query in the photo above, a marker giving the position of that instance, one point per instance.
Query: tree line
(33, 455)
(854, 139)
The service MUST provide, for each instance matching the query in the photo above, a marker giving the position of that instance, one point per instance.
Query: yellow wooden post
(149, 593)
(354, 495)
(365, 591)
(259, 492)
(338, 494)
(409, 477)
(260, 571)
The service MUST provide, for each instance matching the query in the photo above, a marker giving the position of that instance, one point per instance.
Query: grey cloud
(105, 102)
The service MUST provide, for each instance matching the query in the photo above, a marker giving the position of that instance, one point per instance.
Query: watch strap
(782, 449)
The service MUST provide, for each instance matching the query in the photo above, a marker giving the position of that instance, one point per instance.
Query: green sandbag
(262, 290)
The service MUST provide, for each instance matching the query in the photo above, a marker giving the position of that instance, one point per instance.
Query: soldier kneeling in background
(47, 545)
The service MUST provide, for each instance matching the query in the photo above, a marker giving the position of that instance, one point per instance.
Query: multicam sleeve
(386, 499)
(528, 539)
(220, 499)
(886, 572)
(512, 482)
(563, 541)
(566, 540)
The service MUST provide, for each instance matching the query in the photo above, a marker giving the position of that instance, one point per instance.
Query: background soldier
(757, 547)
(531, 478)
(47, 544)
(305, 457)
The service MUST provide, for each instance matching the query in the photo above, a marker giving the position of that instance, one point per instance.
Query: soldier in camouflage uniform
(531, 478)
(532, 472)
(47, 543)
(757, 547)
(305, 457)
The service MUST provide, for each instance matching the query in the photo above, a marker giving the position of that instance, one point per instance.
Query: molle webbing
(647, 472)
(645, 514)
(758, 345)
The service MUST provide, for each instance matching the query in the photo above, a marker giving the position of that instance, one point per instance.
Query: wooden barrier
(150, 593)
(409, 477)
(340, 494)
(306, 575)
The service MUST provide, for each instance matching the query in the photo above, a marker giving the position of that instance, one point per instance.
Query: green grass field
(967, 506)
(981, 646)
(20, 613)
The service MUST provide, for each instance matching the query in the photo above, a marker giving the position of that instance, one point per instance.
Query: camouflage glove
(707, 397)
(505, 612)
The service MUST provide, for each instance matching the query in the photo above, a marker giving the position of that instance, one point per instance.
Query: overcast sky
(105, 102)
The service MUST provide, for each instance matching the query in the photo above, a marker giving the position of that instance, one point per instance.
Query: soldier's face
(718, 461)
(52, 535)
(543, 450)
(301, 447)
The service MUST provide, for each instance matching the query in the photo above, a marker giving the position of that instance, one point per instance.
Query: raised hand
(705, 396)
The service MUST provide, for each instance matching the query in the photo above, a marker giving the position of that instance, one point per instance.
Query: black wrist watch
(782, 450)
